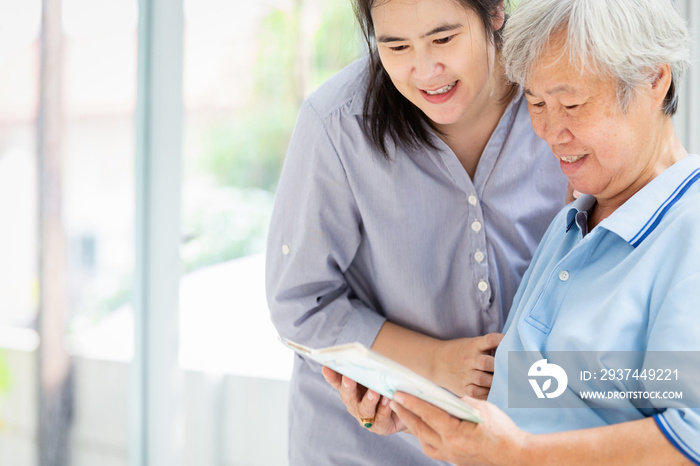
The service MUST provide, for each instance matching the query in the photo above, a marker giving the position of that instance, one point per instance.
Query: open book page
(385, 376)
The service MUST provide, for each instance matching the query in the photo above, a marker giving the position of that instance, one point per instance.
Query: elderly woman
(618, 269)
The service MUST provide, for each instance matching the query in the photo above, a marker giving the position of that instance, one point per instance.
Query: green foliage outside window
(247, 151)
(244, 153)
(4, 377)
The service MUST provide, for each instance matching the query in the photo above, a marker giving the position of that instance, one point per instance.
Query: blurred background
(69, 138)
(93, 370)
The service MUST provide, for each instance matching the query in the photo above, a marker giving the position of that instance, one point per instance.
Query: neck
(667, 152)
(468, 137)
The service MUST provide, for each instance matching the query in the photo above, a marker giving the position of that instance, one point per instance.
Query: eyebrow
(554, 90)
(444, 28)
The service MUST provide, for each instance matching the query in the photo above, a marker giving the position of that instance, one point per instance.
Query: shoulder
(685, 217)
(524, 159)
(682, 204)
(521, 127)
(343, 93)
(518, 135)
(329, 124)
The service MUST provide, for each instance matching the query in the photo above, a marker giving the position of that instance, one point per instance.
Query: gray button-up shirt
(356, 239)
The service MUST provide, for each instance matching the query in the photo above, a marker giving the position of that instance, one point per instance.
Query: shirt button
(483, 286)
(472, 199)
(476, 226)
(563, 275)
(479, 257)
(285, 249)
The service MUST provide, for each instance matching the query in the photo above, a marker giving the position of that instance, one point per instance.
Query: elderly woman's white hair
(626, 39)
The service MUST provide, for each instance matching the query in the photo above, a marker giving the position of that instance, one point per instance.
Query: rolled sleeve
(682, 428)
(675, 328)
(314, 235)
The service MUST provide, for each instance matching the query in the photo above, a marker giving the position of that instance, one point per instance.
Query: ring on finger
(367, 421)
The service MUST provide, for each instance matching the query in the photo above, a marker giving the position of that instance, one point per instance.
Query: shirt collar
(641, 214)
(578, 214)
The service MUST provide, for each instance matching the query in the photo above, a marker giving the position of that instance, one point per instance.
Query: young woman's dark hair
(387, 111)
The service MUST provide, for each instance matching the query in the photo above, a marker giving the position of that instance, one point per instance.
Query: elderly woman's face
(602, 150)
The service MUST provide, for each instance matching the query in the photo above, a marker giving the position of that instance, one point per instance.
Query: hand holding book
(385, 376)
(368, 407)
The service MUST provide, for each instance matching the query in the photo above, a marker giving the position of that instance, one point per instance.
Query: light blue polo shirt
(630, 284)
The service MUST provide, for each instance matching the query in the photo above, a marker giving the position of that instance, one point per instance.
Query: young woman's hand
(365, 404)
(465, 365)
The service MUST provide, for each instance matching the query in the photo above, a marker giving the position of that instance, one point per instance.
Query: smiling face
(437, 54)
(604, 151)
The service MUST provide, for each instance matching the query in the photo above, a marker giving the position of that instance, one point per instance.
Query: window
(67, 154)
(247, 68)
(68, 184)
(19, 72)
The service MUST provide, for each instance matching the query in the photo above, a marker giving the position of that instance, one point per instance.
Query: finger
(433, 417)
(332, 377)
(473, 402)
(410, 419)
(351, 386)
(348, 383)
(386, 421)
(367, 408)
(384, 408)
(489, 342)
(480, 378)
(478, 392)
(485, 363)
(414, 423)
(416, 427)
(349, 394)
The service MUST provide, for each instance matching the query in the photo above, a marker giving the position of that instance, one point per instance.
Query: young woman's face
(436, 53)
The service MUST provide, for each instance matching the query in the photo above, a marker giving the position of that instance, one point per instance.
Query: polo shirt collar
(634, 220)
(578, 213)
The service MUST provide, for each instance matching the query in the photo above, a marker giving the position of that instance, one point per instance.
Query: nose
(552, 127)
(426, 67)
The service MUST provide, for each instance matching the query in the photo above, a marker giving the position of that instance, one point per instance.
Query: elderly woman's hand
(364, 404)
(495, 441)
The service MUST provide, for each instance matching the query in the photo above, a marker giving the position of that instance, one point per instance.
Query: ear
(499, 17)
(661, 83)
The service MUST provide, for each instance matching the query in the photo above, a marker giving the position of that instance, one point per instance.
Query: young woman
(412, 198)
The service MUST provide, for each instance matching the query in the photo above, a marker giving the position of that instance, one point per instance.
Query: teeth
(572, 159)
(442, 90)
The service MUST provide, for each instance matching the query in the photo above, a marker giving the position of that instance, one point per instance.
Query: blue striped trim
(568, 227)
(655, 219)
(674, 439)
